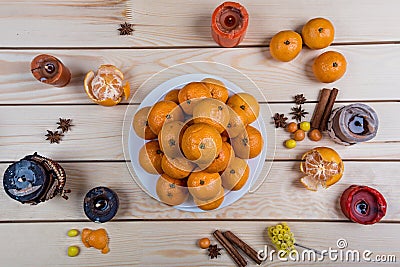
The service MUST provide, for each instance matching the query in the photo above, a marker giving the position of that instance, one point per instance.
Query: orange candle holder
(229, 24)
(50, 70)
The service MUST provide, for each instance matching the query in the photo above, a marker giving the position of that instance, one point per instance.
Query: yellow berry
(73, 232)
(73, 251)
(305, 126)
(290, 143)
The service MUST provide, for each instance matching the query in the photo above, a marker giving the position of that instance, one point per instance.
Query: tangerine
(161, 112)
(150, 156)
(201, 143)
(285, 45)
(203, 185)
(318, 33)
(105, 87)
(141, 125)
(171, 191)
(217, 89)
(212, 112)
(236, 175)
(248, 144)
(172, 96)
(170, 138)
(329, 66)
(190, 94)
(222, 160)
(322, 166)
(211, 204)
(177, 168)
(246, 106)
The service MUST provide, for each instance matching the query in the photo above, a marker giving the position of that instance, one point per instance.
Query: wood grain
(97, 133)
(174, 243)
(280, 197)
(94, 23)
(371, 74)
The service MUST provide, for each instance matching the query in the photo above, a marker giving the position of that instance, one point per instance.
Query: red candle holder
(363, 204)
(229, 24)
(50, 70)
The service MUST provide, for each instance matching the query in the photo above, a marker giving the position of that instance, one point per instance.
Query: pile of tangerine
(199, 140)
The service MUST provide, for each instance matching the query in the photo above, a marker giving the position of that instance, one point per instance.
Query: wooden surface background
(83, 34)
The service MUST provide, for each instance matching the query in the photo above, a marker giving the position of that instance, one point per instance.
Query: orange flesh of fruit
(318, 170)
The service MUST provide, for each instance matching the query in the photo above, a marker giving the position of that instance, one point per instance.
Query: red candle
(50, 70)
(229, 24)
(363, 204)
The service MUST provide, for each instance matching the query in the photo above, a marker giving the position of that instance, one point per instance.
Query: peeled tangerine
(322, 166)
(96, 238)
(106, 87)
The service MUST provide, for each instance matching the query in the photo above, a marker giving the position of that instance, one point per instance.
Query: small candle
(50, 70)
(34, 179)
(229, 24)
(352, 124)
(100, 204)
(363, 204)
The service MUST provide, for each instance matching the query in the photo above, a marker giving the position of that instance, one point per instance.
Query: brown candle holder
(50, 70)
(229, 24)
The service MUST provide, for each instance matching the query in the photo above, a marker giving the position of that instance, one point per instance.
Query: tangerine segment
(236, 175)
(203, 185)
(322, 166)
(161, 112)
(211, 204)
(190, 94)
(106, 86)
(245, 105)
(217, 89)
(171, 191)
(212, 112)
(201, 143)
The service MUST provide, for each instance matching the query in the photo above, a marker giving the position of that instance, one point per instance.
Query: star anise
(64, 125)
(300, 99)
(214, 251)
(54, 137)
(126, 29)
(280, 120)
(298, 113)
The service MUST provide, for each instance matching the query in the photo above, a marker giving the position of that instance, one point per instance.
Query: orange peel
(105, 87)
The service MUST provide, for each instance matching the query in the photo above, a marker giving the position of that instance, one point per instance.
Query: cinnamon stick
(232, 251)
(328, 109)
(243, 246)
(320, 108)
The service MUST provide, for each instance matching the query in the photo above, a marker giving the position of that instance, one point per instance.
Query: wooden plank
(183, 23)
(371, 73)
(98, 132)
(280, 197)
(174, 243)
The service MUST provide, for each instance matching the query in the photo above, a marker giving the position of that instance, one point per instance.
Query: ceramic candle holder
(229, 24)
(352, 124)
(363, 204)
(50, 70)
(34, 179)
(100, 204)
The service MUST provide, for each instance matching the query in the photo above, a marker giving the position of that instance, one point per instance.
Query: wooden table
(83, 34)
